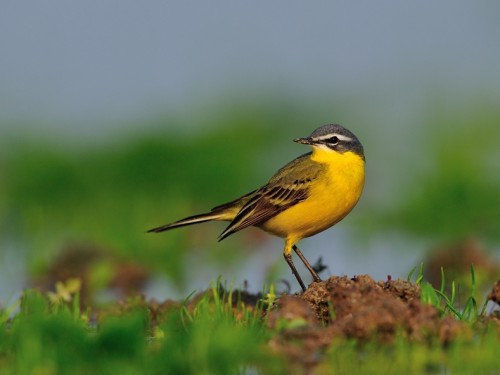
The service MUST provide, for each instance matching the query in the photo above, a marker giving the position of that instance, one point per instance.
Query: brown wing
(289, 186)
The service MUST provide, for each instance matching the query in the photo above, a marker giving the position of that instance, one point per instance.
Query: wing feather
(262, 207)
(289, 186)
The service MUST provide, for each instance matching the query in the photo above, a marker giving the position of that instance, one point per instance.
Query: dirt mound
(361, 308)
(358, 308)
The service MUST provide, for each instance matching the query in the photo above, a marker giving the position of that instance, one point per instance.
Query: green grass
(445, 303)
(214, 334)
(48, 338)
(476, 357)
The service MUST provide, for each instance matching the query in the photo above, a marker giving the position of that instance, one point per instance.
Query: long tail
(189, 221)
(226, 212)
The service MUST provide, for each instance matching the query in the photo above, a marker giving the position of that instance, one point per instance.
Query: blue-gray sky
(103, 62)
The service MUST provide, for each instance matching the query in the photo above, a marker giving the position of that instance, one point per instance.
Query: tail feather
(225, 212)
(187, 221)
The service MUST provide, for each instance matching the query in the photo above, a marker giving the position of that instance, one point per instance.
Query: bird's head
(333, 138)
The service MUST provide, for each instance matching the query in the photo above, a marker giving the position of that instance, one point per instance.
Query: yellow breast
(332, 195)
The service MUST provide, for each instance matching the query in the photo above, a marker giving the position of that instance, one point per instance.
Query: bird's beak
(304, 141)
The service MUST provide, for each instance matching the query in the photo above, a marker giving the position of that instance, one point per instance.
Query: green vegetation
(214, 333)
(453, 192)
(54, 195)
(403, 358)
(54, 338)
(447, 303)
(51, 195)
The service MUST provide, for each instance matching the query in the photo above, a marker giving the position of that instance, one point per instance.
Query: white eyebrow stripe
(341, 137)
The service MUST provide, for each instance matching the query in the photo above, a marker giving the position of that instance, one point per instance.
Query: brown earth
(364, 309)
(343, 308)
(356, 308)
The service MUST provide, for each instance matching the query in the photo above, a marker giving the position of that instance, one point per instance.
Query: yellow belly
(332, 196)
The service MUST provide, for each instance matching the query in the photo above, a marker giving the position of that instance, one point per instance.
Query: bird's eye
(333, 140)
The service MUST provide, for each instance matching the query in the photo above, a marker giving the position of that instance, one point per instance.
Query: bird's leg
(315, 276)
(287, 253)
(288, 258)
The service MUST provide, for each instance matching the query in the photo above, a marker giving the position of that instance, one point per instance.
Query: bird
(308, 195)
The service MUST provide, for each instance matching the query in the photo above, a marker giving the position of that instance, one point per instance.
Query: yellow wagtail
(306, 196)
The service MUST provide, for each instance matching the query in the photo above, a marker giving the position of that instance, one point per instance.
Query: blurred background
(119, 116)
